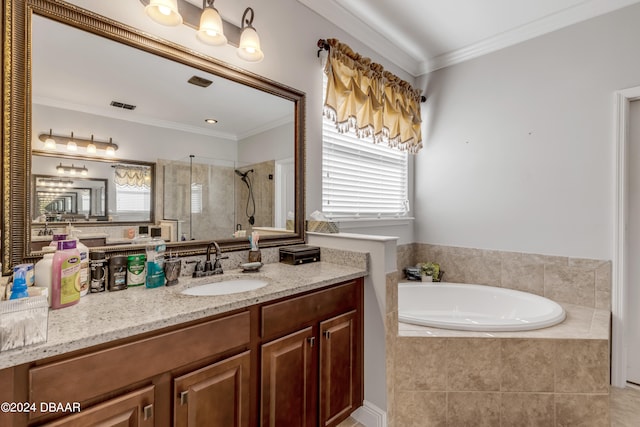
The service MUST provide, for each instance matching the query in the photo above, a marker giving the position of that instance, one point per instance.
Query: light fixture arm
(247, 22)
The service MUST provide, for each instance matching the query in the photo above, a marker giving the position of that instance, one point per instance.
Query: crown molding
(394, 52)
(332, 11)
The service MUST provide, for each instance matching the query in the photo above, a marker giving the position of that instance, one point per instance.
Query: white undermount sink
(226, 287)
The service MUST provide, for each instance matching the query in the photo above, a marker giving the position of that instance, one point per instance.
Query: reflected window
(196, 198)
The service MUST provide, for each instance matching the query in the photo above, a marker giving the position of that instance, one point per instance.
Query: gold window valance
(364, 98)
(133, 176)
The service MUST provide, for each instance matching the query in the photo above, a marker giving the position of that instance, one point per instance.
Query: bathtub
(475, 307)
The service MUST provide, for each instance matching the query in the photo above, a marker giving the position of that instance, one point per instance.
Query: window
(360, 178)
(130, 199)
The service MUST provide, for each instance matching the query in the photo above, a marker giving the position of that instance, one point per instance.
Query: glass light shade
(72, 171)
(72, 146)
(91, 148)
(164, 12)
(60, 170)
(84, 172)
(110, 151)
(50, 144)
(249, 48)
(211, 31)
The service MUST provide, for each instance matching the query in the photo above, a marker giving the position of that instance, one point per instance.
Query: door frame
(619, 285)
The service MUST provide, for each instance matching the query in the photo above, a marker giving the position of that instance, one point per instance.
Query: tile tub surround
(556, 376)
(109, 316)
(585, 282)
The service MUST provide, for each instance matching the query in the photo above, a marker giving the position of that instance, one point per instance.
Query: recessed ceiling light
(211, 121)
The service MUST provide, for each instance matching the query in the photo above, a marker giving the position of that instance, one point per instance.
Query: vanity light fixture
(249, 48)
(72, 170)
(50, 143)
(210, 27)
(164, 12)
(71, 145)
(210, 30)
(90, 146)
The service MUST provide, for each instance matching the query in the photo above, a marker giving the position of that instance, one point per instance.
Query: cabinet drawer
(293, 313)
(91, 375)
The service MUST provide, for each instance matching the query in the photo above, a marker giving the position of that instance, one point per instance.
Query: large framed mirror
(78, 75)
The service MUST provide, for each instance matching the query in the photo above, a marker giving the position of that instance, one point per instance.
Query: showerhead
(243, 175)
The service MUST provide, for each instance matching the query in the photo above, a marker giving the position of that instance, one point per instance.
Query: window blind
(360, 178)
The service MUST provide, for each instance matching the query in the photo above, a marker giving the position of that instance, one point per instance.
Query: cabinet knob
(311, 341)
(184, 397)
(147, 412)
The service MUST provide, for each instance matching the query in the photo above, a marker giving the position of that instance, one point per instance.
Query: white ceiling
(420, 36)
(76, 70)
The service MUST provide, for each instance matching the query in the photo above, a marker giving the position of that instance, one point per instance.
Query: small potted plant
(430, 271)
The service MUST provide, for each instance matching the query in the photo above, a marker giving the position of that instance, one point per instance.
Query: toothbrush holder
(255, 255)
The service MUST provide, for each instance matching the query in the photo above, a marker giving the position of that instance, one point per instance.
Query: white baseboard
(370, 415)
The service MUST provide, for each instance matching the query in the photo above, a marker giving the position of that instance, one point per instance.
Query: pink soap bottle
(65, 280)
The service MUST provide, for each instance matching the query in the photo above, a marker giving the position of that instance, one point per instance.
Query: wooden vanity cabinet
(132, 409)
(216, 395)
(311, 358)
(296, 361)
(201, 362)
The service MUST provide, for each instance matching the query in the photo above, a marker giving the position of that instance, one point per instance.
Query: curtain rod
(322, 44)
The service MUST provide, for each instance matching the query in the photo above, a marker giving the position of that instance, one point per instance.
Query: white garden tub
(475, 307)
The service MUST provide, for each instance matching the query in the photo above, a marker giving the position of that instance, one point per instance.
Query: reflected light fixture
(210, 27)
(90, 146)
(50, 143)
(164, 12)
(211, 121)
(72, 170)
(71, 145)
(110, 150)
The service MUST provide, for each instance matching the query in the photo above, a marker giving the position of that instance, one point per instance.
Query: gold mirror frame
(16, 119)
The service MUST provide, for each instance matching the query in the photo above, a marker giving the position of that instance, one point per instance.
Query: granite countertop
(108, 316)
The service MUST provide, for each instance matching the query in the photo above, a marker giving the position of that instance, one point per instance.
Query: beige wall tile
(420, 364)
(527, 410)
(570, 284)
(473, 364)
(420, 409)
(584, 410)
(582, 366)
(392, 292)
(603, 286)
(523, 273)
(471, 409)
(527, 365)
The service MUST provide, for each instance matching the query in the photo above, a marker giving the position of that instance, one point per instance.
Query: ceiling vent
(122, 105)
(199, 81)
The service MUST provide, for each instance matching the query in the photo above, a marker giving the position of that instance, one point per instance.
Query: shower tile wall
(216, 216)
(263, 193)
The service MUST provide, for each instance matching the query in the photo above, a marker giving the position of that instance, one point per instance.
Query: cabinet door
(131, 410)
(214, 396)
(289, 381)
(338, 368)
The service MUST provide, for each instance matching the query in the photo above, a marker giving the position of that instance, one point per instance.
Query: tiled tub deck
(557, 376)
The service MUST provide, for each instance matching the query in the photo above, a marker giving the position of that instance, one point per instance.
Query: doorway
(621, 294)
(632, 322)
